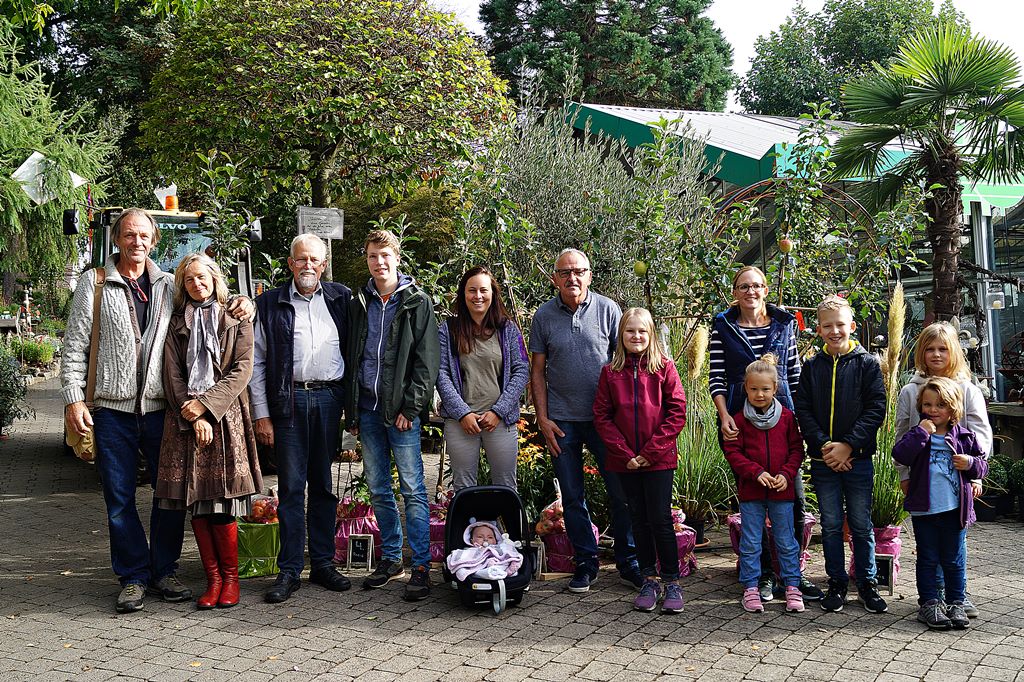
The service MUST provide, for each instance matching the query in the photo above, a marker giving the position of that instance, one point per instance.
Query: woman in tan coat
(208, 461)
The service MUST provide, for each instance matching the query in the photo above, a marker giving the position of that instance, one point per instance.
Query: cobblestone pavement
(57, 620)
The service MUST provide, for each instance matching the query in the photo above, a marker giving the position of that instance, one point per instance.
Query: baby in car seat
(489, 556)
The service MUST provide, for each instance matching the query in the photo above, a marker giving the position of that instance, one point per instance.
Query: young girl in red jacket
(639, 411)
(766, 458)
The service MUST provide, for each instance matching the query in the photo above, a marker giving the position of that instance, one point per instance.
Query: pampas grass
(887, 506)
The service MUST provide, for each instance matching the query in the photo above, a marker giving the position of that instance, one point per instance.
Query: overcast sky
(742, 21)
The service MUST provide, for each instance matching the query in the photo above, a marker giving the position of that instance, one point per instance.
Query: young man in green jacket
(393, 356)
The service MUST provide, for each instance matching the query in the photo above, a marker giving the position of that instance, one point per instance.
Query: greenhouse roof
(751, 146)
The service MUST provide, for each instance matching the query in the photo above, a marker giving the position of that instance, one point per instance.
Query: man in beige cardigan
(128, 408)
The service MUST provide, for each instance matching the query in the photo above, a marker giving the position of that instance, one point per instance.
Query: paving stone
(58, 626)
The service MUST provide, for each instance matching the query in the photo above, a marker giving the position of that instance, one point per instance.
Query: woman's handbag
(85, 446)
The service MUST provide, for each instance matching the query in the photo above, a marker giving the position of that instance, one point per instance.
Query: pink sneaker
(794, 600)
(752, 601)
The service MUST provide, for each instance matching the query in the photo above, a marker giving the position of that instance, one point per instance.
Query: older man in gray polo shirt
(573, 336)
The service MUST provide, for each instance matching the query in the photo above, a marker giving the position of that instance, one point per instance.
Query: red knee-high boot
(201, 526)
(226, 537)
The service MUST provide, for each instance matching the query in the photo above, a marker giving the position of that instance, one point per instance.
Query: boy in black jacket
(840, 405)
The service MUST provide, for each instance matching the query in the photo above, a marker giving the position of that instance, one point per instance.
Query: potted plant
(1015, 483)
(988, 506)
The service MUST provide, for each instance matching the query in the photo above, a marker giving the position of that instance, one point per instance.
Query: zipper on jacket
(380, 342)
(832, 406)
(636, 404)
(767, 459)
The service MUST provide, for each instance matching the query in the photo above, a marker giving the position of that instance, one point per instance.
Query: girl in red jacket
(766, 458)
(639, 411)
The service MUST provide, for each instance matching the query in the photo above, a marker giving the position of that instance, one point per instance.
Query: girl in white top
(939, 354)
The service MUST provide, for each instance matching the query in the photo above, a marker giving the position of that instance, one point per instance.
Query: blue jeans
(941, 545)
(380, 443)
(304, 452)
(848, 494)
(751, 528)
(569, 472)
(120, 436)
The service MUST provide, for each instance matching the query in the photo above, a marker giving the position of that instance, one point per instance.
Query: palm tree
(952, 102)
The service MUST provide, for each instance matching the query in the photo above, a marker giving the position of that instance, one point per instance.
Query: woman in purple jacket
(484, 370)
(944, 457)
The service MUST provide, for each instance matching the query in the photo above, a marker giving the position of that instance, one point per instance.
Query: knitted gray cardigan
(128, 362)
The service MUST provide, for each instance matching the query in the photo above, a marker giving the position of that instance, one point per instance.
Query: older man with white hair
(573, 336)
(297, 403)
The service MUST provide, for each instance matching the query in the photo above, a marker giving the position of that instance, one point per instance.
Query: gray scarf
(764, 421)
(203, 346)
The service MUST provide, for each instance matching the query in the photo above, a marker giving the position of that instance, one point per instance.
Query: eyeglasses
(301, 262)
(565, 272)
(134, 285)
(756, 286)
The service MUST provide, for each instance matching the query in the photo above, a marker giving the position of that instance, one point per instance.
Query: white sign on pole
(326, 223)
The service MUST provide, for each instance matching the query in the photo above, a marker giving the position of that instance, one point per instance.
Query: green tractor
(181, 233)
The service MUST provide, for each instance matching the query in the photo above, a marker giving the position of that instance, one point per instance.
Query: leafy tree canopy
(31, 238)
(656, 53)
(353, 96)
(812, 55)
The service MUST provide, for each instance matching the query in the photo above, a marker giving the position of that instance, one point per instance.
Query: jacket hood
(473, 523)
(404, 282)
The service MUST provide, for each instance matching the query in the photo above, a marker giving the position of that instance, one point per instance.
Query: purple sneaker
(648, 597)
(673, 599)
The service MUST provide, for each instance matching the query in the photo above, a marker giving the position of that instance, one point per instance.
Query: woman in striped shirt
(750, 328)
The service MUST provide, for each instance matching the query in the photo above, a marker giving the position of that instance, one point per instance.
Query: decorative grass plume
(892, 358)
(696, 351)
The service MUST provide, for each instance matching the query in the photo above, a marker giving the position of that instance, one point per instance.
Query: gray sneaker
(933, 614)
(131, 598)
(957, 617)
(969, 608)
(170, 589)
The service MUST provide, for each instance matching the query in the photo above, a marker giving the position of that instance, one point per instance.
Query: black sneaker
(835, 599)
(630, 576)
(386, 571)
(809, 590)
(582, 579)
(418, 586)
(867, 594)
(957, 616)
(766, 587)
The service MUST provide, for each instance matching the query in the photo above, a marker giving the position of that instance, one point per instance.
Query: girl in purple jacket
(944, 457)
(639, 410)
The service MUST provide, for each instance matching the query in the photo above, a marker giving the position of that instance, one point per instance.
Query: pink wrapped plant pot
(354, 518)
(559, 550)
